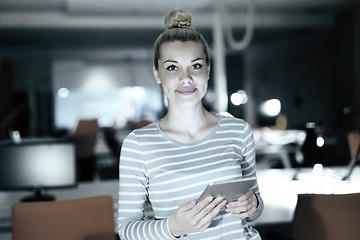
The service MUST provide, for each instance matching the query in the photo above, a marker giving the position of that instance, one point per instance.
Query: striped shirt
(169, 173)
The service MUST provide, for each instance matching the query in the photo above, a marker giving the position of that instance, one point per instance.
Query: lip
(186, 91)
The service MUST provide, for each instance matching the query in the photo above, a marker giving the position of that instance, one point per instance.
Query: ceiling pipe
(249, 27)
(220, 18)
(220, 81)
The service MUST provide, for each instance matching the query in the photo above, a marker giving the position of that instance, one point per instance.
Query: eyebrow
(173, 61)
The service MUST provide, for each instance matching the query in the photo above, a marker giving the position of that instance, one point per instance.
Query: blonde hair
(179, 28)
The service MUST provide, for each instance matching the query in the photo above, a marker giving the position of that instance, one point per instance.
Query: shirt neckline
(209, 136)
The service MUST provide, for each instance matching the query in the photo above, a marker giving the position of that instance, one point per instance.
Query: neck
(188, 125)
(189, 119)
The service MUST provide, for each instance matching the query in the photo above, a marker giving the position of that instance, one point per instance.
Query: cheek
(204, 79)
(203, 75)
(167, 87)
(167, 77)
(204, 88)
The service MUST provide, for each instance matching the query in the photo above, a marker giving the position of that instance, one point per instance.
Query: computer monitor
(37, 165)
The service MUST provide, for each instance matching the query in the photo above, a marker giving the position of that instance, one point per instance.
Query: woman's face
(182, 73)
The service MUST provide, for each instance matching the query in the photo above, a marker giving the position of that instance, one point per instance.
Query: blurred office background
(68, 62)
(65, 61)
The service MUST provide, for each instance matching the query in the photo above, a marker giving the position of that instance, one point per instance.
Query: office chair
(326, 217)
(85, 137)
(80, 219)
(86, 130)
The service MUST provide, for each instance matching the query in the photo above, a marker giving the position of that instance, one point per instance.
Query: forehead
(177, 50)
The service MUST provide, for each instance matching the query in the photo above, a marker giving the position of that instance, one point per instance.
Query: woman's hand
(244, 206)
(195, 216)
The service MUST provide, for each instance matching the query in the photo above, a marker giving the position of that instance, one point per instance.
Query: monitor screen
(33, 165)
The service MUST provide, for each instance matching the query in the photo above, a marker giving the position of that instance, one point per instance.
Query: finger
(210, 207)
(237, 203)
(209, 217)
(203, 203)
(249, 193)
(245, 214)
(251, 206)
(246, 195)
(243, 200)
(237, 209)
(219, 207)
(241, 206)
(187, 206)
(215, 203)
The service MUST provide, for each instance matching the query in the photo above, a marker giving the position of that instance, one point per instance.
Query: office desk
(278, 144)
(279, 191)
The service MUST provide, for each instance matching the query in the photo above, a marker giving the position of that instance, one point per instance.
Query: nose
(185, 77)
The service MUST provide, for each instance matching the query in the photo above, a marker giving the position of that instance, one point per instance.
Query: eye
(197, 66)
(171, 68)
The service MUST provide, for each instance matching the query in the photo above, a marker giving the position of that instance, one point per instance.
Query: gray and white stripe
(170, 173)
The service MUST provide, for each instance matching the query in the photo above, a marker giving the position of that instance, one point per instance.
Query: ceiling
(94, 23)
(115, 14)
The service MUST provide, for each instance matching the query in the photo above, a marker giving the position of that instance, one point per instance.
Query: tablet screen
(229, 189)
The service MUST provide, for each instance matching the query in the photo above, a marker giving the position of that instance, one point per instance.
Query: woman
(171, 161)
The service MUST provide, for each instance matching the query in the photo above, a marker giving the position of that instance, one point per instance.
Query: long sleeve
(169, 173)
(132, 197)
(248, 166)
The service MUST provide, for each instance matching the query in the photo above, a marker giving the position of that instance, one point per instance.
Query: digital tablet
(229, 189)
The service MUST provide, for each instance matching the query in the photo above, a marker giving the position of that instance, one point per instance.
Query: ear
(156, 75)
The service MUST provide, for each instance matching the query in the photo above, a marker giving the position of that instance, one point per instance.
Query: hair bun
(178, 19)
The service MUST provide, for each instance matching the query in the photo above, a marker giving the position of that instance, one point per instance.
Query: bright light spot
(63, 92)
(320, 141)
(106, 121)
(98, 79)
(129, 112)
(226, 114)
(239, 97)
(16, 136)
(318, 168)
(310, 125)
(236, 99)
(300, 138)
(271, 107)
(139, 93)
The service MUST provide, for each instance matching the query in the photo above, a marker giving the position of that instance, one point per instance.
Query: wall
(356, 67)
(309, 70)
